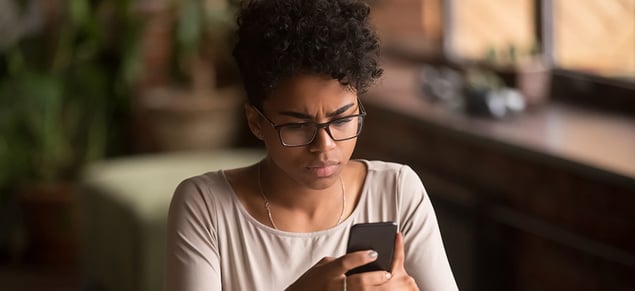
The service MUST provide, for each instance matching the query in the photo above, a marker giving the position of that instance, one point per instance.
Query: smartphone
(377, 236)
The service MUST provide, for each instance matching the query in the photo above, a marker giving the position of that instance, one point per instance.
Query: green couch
(123, 210)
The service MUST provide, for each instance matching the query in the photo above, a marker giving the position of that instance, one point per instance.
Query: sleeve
(192, 258)
(426, 260)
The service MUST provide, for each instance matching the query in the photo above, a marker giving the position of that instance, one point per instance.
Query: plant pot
(179, 120)
(50, 220)
(534, 82)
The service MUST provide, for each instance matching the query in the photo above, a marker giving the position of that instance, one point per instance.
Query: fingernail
(372, 254)
(388, 275)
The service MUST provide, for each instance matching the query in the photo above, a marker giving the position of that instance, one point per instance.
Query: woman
(283, 223)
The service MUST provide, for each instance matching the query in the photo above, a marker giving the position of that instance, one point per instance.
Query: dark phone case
(378, 236)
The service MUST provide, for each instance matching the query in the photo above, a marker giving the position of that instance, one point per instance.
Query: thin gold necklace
(268, 206)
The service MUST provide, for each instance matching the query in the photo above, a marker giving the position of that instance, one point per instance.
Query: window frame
(575, 86)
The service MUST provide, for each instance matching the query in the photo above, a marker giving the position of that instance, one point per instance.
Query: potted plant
(199, 107)
(486, 94)
(524, 70)
(61, 84)
(533, 79)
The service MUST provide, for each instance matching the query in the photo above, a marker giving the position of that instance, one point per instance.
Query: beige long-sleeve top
(213, 243)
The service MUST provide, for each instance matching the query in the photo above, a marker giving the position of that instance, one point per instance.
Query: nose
(322, 141)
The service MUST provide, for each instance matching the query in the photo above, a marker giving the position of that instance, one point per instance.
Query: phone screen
(378, 236)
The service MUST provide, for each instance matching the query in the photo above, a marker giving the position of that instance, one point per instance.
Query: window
(499, 31)
(589, 44)
(596, 37)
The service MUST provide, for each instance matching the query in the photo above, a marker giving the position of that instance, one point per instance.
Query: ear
(254, 121)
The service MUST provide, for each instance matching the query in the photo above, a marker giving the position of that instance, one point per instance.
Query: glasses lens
(297, 134)
(345, 128)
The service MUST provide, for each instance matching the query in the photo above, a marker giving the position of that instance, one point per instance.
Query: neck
(285, 192)
(308, 209)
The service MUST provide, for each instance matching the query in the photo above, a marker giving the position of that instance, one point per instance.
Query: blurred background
(519, 116)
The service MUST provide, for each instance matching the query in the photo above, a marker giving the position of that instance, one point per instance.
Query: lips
(325, 169)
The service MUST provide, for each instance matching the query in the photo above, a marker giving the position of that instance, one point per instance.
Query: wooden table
(539, 201)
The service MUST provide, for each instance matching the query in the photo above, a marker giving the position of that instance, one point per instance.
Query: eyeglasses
(301, 134)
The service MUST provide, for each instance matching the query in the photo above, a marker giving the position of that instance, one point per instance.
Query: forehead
(304, 92)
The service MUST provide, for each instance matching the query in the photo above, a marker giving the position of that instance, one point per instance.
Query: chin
(322, 182)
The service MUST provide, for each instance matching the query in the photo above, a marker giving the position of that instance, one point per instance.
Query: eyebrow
(301, 115)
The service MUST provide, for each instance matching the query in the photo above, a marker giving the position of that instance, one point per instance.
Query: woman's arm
(425, 258)
(192, 259)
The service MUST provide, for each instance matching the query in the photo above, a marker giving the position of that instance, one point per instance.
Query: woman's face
(308, 98)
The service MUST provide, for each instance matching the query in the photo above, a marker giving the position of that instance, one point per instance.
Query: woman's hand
(329, 273)
(397, 280)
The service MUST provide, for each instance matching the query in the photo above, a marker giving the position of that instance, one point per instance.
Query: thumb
(398, 256)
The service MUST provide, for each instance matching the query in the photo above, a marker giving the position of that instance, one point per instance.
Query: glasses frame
(318, 126)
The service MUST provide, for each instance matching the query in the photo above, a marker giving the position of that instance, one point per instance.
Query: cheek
(348, 148)
(288, 160)
(270, 136)
(277, 151)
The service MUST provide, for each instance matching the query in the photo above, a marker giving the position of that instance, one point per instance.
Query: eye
(342, 121)
(295, 126)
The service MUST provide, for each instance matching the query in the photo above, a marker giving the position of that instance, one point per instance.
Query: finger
(374, 278)
(353, 260)
(398, 255)
(325, 260)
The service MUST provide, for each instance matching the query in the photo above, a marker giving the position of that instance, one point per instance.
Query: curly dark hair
(278, 39)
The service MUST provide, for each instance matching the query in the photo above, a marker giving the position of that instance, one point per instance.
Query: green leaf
(189, 26)
(79, 11)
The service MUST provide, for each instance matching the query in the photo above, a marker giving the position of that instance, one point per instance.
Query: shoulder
(399, 179)
(201, 190)
(391, 170)
(200, 183)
